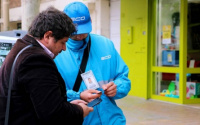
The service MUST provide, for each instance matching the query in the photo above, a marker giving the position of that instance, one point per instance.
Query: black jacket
(38, 90)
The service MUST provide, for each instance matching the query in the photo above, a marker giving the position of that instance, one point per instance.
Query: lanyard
(82, 67)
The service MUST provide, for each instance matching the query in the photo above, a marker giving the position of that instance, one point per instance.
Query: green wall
(134, 17)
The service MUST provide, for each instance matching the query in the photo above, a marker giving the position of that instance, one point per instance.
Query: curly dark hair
(53, 20)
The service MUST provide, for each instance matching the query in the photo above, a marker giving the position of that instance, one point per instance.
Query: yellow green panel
(166, 99)
(134, 43)
(166, 69)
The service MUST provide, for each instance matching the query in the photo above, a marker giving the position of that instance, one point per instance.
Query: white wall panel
(115, 23)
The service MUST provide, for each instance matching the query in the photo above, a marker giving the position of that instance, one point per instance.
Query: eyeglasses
(73, 36)
(78, 36)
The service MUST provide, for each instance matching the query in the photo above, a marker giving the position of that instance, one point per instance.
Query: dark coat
(38, 90)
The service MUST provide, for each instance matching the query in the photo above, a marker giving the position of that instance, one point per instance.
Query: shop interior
(168, 48)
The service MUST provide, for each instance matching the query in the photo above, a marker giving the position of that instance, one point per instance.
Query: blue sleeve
(121, 77)
(72, 95)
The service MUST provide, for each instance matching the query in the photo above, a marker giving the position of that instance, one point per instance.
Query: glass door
(193, 50)
(175, 72)
(167, 47)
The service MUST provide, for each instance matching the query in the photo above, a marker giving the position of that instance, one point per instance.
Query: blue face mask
(76, 45)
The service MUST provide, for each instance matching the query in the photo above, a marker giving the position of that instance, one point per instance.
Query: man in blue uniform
(104, 64)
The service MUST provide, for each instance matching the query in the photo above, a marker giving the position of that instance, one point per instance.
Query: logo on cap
(78, 18)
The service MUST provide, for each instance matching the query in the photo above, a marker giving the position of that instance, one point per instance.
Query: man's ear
(47, 36)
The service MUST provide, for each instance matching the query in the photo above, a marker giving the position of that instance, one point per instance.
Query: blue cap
(80, 16)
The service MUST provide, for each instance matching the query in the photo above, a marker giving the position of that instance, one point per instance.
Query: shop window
(193, 86)
(193, 42)
(168, 34)
(192, 90)
(167, 84)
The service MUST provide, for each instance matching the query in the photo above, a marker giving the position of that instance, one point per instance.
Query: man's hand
(78, 101)
(83, 104)
(110, 89)
(89, 95)
(86, 109)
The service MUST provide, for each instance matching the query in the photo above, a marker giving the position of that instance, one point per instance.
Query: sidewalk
(139, 111)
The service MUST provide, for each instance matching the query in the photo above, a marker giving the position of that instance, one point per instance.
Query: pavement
(139, 111)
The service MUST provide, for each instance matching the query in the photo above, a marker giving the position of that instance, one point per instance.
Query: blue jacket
(107, 65)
